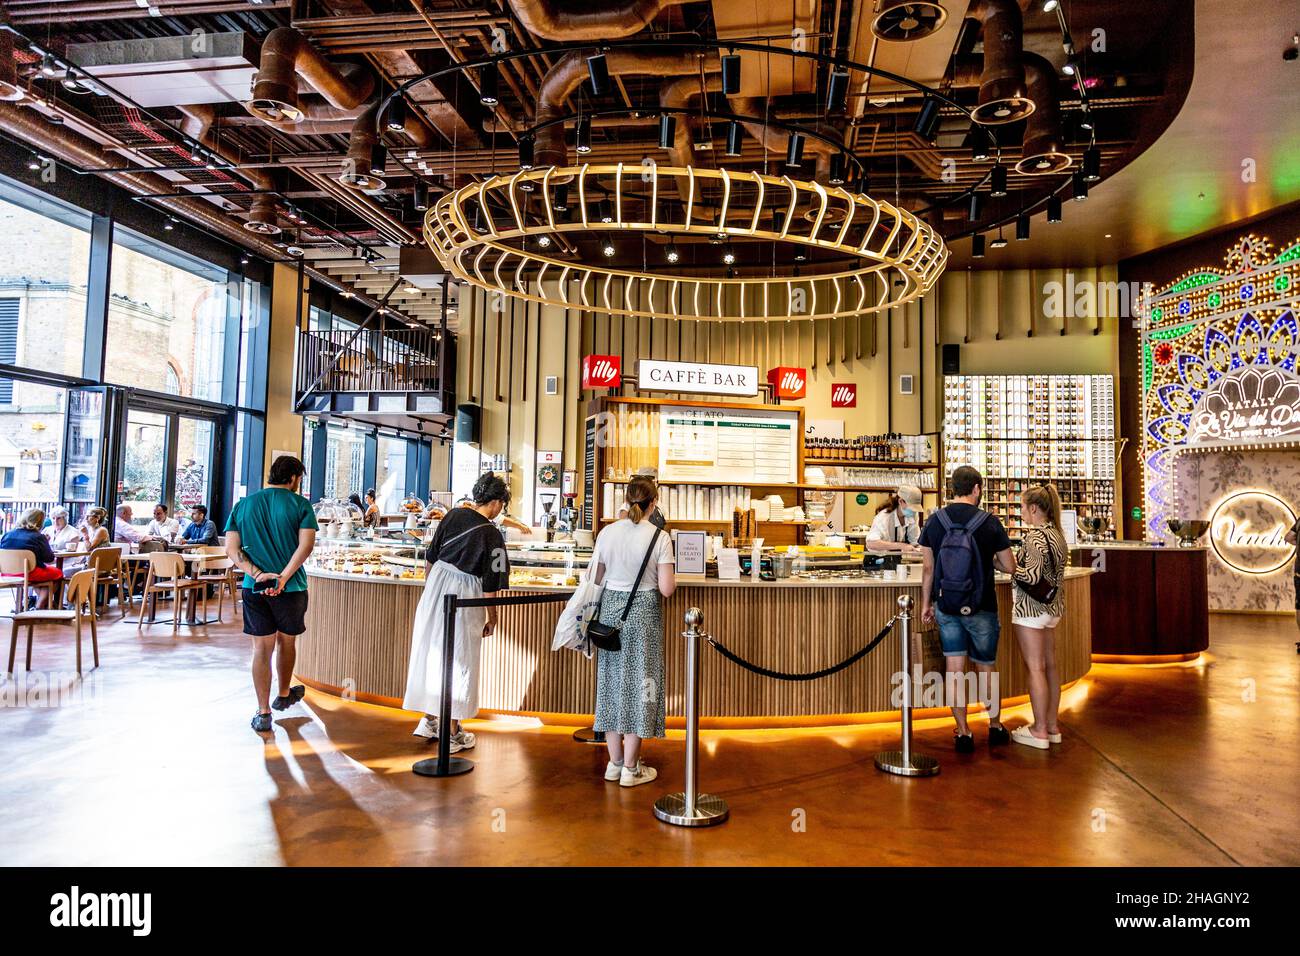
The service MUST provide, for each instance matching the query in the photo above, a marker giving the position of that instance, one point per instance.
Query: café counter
(359, 636)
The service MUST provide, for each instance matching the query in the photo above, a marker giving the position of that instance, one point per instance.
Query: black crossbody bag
(605, 636)
(1042, 590)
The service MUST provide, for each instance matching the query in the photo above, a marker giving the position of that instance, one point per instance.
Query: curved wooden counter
(359, 636)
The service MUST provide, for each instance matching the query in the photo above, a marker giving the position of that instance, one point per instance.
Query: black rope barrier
(812, 675)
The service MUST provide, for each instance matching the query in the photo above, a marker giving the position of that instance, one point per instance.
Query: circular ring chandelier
(483, 235)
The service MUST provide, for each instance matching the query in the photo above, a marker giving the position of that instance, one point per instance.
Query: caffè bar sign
(1249, 405)
(697, 378)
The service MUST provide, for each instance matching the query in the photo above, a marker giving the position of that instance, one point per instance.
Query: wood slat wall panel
(359, 638)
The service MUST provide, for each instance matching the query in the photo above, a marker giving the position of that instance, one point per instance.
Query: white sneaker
(1023, 735)
(426, 728)
(613, 771)
(462, 740)
(635, 776)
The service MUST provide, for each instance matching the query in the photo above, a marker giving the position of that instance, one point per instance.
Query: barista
(897, 525)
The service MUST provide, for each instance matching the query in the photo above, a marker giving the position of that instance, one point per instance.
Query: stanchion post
(445, 765)
(903, 762)
(691, 808)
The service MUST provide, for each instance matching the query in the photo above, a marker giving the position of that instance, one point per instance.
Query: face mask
(909, 513)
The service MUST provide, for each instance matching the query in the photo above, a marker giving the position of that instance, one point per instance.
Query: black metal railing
(394, 360)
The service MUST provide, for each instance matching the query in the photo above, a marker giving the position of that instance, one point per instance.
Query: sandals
(1023, 735)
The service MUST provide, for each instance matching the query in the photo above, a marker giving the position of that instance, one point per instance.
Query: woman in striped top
(1039, 605)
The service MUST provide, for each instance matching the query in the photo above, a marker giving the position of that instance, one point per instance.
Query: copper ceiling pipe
(580, 20)
(11, 90)
(775, 139)
(1002, 96)
(567, 75)
(675, 94)
(1041, 151)
(286, 55)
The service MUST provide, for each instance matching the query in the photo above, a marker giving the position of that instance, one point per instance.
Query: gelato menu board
(728, 445)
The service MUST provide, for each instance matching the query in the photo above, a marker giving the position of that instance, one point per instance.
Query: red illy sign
(602, 371)
(844, 396)
(788, 382)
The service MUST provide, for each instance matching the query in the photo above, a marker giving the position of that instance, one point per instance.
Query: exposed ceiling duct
(1002, 96)
(907, 20)
(1042, 153)
(286, 55)
(581, 20)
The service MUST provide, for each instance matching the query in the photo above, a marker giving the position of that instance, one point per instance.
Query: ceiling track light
(836, 175)
(378, 159)
(837, 90)
(794, 150)
(1071, 67)
(1085, 121)
(671, 254)
(1091, 164)
(397, 114)
(863, 183)
(999, 242)
(598, 73)
(526, 145)
(1078, 186)
(978, 143)
(730, 74)
(582, 135)
(1022, 227)
(170, 224)
(976, 208)
(489, 85)
(1054, 208)
(608, 249)
(560, 198)
(977, 246)
(49, 65)
(998, 182)
(927, 121)
(605, 211)
(1050, 5)
(728, 255)
(667, 130)
(733, 138)
(420, 199)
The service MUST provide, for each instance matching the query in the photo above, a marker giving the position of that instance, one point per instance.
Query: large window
(31, 447)
(345, 459)
(390, 473)
(166, 320)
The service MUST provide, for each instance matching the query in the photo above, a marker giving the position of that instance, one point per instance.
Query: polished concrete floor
(150, 760)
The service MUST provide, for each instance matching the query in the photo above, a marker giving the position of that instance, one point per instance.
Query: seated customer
(26, 536)
(60, 532)
(123, 529)
(200, 529)
(163, 526)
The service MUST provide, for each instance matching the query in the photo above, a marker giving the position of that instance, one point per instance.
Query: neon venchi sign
(1248, 532)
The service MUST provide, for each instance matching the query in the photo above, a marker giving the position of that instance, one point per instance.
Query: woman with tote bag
(467, 558)
(633, 560)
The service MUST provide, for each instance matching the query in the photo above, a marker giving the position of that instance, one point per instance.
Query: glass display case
(542, 564)
(381, 556)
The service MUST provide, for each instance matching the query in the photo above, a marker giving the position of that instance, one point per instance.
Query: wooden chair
(15, 570)
(166, 577)
(215, 570)
(81, 594)
(110, 571)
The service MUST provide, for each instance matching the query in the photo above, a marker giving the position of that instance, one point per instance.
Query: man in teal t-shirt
(269, 536)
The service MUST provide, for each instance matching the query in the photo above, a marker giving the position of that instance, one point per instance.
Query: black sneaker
(999, 736)
(964, 743)
(261, 722)
(295, 694)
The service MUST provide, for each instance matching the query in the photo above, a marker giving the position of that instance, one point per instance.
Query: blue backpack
(959, 572)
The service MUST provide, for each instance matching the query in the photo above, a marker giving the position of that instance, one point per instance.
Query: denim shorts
(969, 635)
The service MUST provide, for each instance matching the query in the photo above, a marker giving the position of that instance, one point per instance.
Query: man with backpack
(961, 545)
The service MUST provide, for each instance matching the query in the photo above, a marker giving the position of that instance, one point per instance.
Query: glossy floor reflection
(150, 760)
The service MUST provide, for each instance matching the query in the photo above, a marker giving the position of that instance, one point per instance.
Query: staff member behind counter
(897, 525)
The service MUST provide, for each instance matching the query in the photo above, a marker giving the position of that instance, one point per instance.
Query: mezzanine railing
(396, 360)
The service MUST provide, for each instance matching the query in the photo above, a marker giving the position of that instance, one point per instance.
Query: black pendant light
(489, 85)
(1078, 186)
(560, 198)
(836, 177)
(582, 135)
(397, 114)
(927, 121)
(1053, 208)
(667, 130)
(733, 138)
(730, 74)
(378, 159)
(977, 246)
(1022, 227)
(998, 182)
(1091, 164)
(420, 199)
(794, 150)
(976, 208)
(526, 144)
(863, 183)
(999, 241)
(598, 73)
(837, 89)
(978, 144)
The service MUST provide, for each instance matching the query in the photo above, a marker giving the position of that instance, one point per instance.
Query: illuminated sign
(697, 378)
(788, 382)
(1253, 404)
(602, 371)
(1248, 532)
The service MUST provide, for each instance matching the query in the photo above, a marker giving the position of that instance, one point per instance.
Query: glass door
(193, 464)
(167, 457)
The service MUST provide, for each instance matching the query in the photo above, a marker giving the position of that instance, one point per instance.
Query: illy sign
(844, 396)
(697, 378)
(788, 382)
(602, 371)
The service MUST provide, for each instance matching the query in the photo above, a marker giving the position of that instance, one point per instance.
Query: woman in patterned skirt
(1043, 556)
(630, 681)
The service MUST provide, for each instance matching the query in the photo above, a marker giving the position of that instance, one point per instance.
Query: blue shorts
(969, 635)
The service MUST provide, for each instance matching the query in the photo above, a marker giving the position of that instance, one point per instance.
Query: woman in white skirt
(467, 558)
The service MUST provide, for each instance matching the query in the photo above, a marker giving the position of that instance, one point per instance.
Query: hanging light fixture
(976, 209)
(730, 74)
(397, 114)
(420, 198)
(927, 121)
(728, 255)
(794, 150)
(560, 199)
(1091, 164)
(605, 211)
(582, 135)
(378, 159)
(837, 88)
(598, 73)
(998, 183)
(489, 84)
(836, 176)
(733, 138)
(526, 144)
(672, 255)
(998, 242)
(1022, 227)
(977, 246)
(1078, 186)
(1053, 208)
(667, 130)
(607, 248)
(49, 65)
(978, 144)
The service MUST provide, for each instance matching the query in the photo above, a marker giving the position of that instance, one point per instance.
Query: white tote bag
(583, 604)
